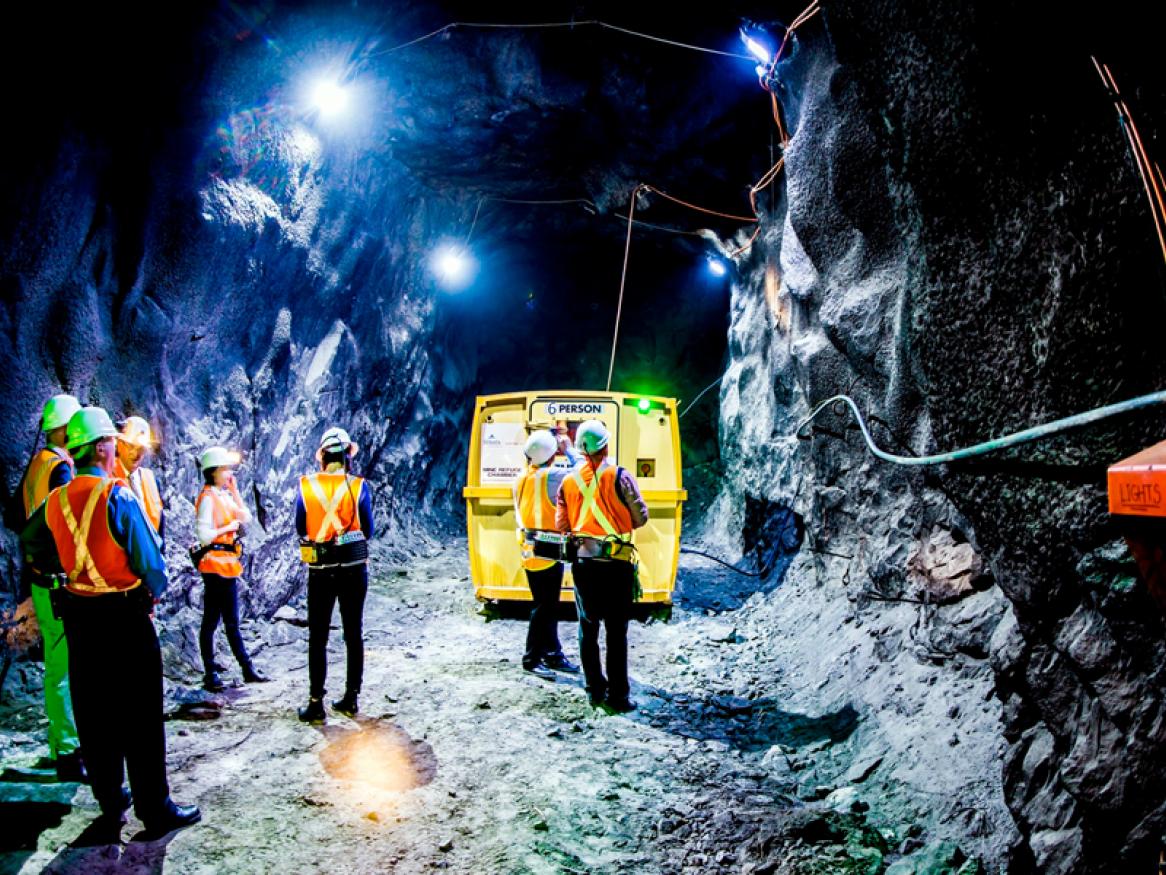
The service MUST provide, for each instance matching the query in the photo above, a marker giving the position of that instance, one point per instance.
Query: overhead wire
(591, 22)
(591, 206)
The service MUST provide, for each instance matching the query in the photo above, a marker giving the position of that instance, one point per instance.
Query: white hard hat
(87, 425)
(136, 431)
(541, 447)
(591, 436)
(58, 411)
(217, 457)
(336, 440)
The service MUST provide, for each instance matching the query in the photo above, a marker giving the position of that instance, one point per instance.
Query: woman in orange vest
(219, 513)
(334, 521)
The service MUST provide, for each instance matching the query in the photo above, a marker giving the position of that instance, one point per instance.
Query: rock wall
(261, 287)
(964, 248)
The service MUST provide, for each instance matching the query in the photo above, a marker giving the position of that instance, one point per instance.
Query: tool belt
(348, 548)
(565, 548)
(198, 551)
(551, 545)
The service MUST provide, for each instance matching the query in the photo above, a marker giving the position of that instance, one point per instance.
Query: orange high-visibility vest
(37, 475)
(78, 516)
(595, 509)
(331, 504)
(146, 489)
(220, 562)
(534, 511)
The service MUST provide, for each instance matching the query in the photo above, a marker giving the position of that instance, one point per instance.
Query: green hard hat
(58, 411)
(591, 436)
(87, 425)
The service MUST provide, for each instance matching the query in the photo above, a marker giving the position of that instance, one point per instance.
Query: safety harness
(331, 518)
(614, 545)
(335, 543)
(198, 551)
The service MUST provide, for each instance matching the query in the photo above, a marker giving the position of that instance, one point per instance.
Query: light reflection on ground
(380, 755)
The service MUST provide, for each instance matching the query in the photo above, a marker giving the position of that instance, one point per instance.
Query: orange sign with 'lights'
(1137, 485)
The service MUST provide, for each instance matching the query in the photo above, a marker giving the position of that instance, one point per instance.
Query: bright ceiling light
(755, 48)
(454, 267)
(716, 266)
(329, 98)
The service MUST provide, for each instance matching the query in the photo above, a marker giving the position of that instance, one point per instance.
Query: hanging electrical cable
(622, 281)
(700, 395)
(1153, 185)
(996, 444)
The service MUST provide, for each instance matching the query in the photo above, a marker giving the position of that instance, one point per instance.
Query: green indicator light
(644, 405)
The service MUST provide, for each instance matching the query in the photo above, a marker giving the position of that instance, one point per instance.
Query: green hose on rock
(1001, 443)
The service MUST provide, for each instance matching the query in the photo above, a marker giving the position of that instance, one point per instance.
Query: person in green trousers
(51, 467)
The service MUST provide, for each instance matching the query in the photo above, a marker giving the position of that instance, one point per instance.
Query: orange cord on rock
(1152, 184)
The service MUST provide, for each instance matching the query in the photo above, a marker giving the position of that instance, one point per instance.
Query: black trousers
(220, 600)
(115, 674)
(603, 594)
(542, 635)
(326, 587)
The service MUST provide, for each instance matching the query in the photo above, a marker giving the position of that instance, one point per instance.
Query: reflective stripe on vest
(595, 508)
(327, 512)
(146, 488)
(37, 476)
(95, 562)
(533, 510)
(217, 561)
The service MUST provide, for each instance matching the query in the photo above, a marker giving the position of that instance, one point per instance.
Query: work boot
(596, 697)
(252, 675)
(560, 663)
(71, 768)
(116, 808)
(313, 712)
(620, 705)
(211, 682)
(173, 817)
(346, 706)
(539, 670)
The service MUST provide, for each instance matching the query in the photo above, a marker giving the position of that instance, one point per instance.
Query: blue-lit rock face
(243, 270)
(966, 257)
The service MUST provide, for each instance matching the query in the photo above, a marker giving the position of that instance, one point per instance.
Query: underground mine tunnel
(861, 302)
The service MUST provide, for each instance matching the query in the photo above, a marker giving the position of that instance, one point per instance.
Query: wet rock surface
(951, 258)
(746, 754)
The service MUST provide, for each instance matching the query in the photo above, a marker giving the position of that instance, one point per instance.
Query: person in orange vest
(133, 442)
(219, 514)
(535, 492)
(334, 521)
(93, 533)
(600, 505)
(51, 467)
